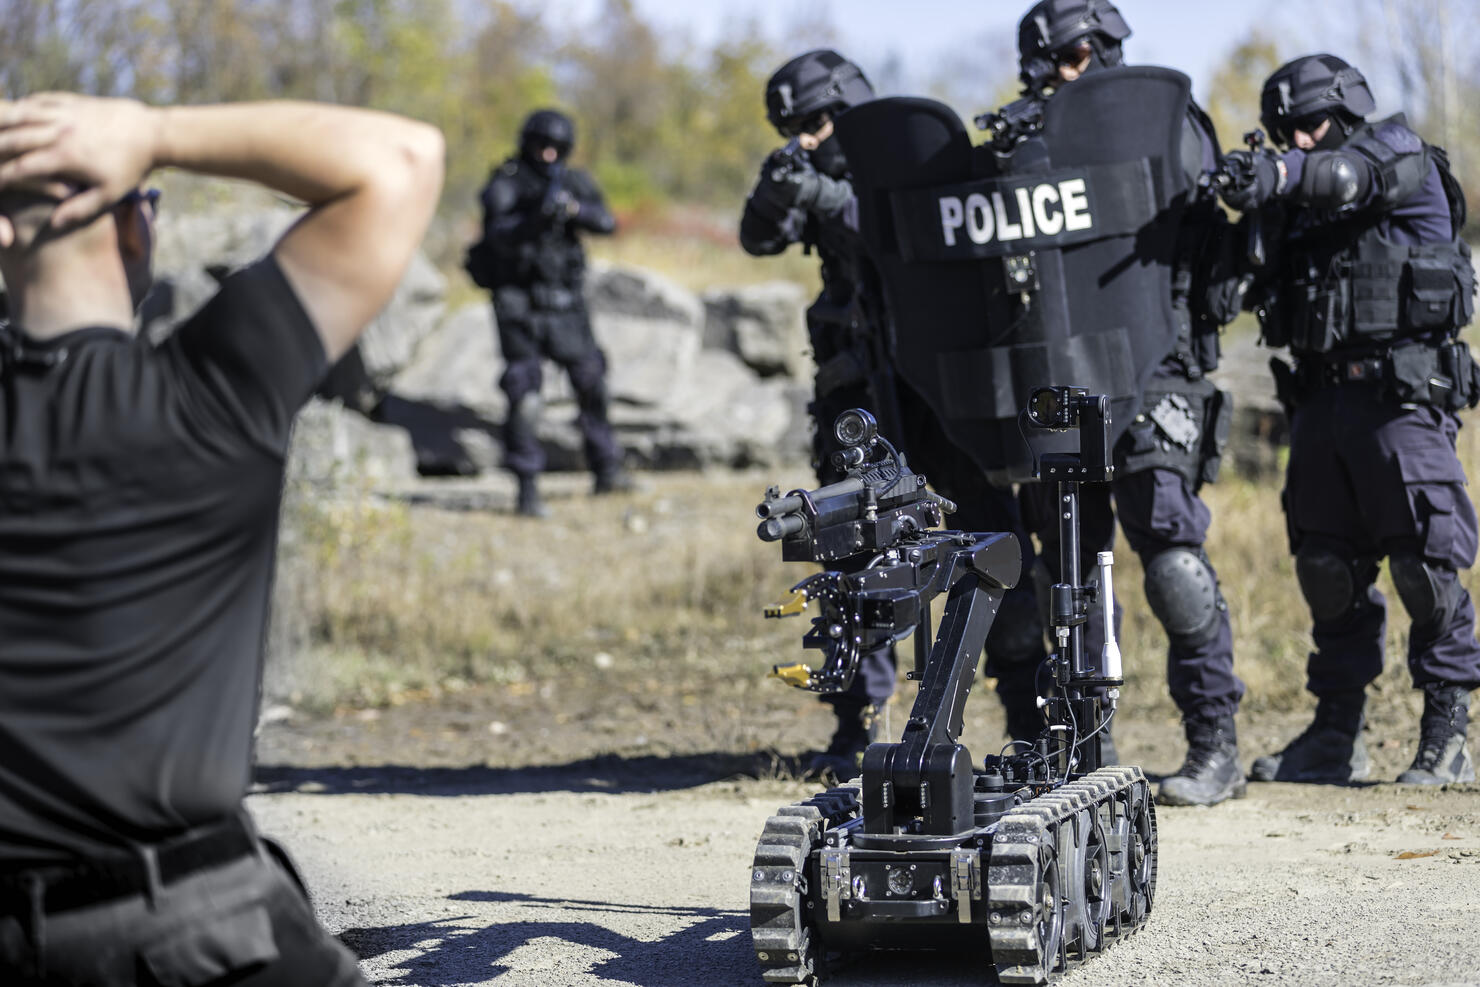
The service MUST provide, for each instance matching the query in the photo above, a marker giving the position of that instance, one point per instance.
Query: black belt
(1327, 371)
(94, 880)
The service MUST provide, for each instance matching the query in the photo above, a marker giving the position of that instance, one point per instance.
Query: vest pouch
(1274, 320)
(1416, 376)
(481, 263)
(1429, 296)
(1458, 364)
(1376, 287)
(1464, 276)
(1317, 317)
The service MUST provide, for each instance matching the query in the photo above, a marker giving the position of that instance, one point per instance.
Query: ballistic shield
(1051, 264)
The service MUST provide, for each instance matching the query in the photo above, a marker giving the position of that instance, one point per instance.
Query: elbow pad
(1334, 179)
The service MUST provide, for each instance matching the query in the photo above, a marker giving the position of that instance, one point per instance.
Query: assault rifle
(787, 160)
(1239, 174)
(1016, 121)
(553, 205)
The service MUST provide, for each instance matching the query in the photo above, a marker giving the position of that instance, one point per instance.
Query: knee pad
(520, 378)
(1428, 592)
(1327, 583)
(1182, 591)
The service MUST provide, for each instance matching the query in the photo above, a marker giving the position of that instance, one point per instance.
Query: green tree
(1234, 105)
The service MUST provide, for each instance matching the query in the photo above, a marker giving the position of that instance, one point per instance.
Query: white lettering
(1005, 230)
(1024, 211)
(951, 218)
(1076, 205)
(1049, 223)
(978, 218)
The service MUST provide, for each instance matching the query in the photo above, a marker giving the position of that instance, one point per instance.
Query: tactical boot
(1442, 754)
(529, 503)
(1210, 773)
(843, 759)
(613, 480)
(1329, 750)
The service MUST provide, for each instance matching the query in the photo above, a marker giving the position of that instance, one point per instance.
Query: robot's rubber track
(1066, 874)
(1047, 909)
(783, 938)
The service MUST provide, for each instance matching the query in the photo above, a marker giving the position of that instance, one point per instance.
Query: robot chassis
(1041, 855)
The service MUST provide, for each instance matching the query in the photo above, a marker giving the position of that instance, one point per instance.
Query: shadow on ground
(609, 773)
(436, 433)
(712, 947)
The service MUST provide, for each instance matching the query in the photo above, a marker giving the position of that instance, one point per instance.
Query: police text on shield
(1041, 210)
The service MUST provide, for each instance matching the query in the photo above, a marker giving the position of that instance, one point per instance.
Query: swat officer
(804, 195)
(1167, 452)
(1368, 284)
(531, 258)
(138, 524)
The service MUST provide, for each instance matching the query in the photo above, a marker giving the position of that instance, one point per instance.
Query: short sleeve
(251, 355)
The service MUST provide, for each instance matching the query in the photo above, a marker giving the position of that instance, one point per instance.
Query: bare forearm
(371, 181)
(311, 151)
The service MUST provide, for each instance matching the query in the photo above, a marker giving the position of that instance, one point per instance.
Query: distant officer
(139, 501)
(1369, 285)
(804, 195)
(1167, 452)
(531, 258)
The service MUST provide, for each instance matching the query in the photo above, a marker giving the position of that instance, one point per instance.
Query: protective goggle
(1073, 54)
(1284, 129)
(806, 125)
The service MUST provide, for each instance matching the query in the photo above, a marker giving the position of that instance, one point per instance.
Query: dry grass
(379, 603)
(698, 262)
(402, 602)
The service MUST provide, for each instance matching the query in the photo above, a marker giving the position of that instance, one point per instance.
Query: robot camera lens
(855, 427)
(1045, 407)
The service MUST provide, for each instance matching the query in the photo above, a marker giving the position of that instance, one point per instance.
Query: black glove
(793, 187)
(1256, 177)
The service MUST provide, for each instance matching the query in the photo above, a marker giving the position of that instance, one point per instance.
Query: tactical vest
(1344, 287)
(551, 257)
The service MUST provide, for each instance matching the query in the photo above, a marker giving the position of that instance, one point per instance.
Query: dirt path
(631, 868)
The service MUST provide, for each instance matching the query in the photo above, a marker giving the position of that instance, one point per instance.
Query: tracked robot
(1037, 852)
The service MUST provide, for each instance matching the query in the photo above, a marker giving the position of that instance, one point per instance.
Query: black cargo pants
(244, 922)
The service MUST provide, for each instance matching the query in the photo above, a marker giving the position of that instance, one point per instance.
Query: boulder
(194, 250)
(763, 324)
(332, 446)
(632, 291)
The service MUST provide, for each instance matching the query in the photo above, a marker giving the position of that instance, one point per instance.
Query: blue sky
(1190, 35)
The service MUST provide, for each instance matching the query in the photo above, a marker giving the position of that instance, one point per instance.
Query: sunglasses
(806, 125)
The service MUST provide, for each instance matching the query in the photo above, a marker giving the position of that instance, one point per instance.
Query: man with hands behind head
(139, 497)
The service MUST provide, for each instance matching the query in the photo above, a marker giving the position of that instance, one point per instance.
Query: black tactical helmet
(1053, 26)
(1302, 93)
(547, 127)
(810, 83)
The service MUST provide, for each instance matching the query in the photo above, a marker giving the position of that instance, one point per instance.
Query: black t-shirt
(139, 497)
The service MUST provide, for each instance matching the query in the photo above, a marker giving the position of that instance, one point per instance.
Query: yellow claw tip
(789, 607)
(799, 676)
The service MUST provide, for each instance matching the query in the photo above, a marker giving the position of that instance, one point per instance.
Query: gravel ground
(566, 864)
